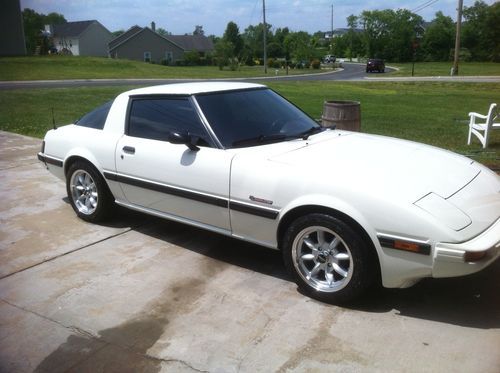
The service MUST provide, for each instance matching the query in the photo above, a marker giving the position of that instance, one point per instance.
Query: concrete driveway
(144, 295)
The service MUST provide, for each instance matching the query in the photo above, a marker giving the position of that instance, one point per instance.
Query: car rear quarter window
(156, 118)
(96, 118)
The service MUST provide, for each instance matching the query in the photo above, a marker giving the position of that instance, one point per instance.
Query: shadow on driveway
(470, 301)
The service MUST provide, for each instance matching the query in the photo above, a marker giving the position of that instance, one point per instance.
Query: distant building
(339, 32)
(145, 44)
(82, 38)
(12, 42)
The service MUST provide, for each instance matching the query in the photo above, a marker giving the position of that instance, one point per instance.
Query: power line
(424, 5)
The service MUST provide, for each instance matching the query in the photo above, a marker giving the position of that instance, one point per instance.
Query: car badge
(261, 200)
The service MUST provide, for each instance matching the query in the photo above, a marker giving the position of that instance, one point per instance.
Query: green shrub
(192, 58)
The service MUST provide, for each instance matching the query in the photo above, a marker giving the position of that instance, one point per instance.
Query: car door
(169, 178)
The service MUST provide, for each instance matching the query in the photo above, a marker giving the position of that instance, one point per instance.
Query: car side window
(156, 118)
(96, 118)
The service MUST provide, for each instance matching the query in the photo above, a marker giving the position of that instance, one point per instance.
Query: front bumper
(451, 259)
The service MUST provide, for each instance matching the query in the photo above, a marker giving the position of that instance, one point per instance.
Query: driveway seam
(67, 252)
(74, 329)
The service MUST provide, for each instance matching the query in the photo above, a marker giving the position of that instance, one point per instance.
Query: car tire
(87, 192)
(328, 259)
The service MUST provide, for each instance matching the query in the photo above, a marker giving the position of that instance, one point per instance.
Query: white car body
(400, 193)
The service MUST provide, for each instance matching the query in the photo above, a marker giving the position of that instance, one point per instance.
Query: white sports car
(347, 210)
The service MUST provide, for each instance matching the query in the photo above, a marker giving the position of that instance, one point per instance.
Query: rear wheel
(328, 259)
(87, 192)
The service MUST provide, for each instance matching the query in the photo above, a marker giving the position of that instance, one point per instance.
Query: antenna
(53, 119)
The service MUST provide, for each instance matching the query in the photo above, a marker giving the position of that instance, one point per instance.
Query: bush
(270, 62)
(192, 58)
(316, 64)
(276, 64)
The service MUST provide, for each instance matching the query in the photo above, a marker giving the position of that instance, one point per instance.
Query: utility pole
(454, 69)
(265, 35)
(331, 35)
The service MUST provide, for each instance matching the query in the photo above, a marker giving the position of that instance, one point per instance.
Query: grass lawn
(443, 69)
(70, 67)
(432, 113)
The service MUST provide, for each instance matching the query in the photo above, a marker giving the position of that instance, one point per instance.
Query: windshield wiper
(261, 139)
(311, 131)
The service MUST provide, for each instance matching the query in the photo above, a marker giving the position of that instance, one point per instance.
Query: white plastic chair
(482, 130)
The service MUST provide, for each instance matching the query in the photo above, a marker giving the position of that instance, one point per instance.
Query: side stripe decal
(216, 201)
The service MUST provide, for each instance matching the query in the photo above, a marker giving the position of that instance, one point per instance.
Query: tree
(439, 38)
(161, 31)
(299, 46)
(352, 22)
(253, 37)
(34, 23)
(224, 53)
(390, 34)
(54, 19)
(232, 35)
(198, 30)
(481, 31)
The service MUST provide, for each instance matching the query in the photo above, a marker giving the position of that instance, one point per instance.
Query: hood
(404, 169)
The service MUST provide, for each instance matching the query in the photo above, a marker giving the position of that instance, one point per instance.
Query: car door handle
(129, 149)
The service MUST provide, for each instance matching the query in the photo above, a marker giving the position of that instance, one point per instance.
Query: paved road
(349, 72)
(140, 294)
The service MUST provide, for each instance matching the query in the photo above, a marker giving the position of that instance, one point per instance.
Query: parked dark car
(375, 64)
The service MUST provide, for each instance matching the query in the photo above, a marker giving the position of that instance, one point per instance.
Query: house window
(147, 56)
(169, 57)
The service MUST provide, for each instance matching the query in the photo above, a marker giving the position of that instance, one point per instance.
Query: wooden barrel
(343, 115)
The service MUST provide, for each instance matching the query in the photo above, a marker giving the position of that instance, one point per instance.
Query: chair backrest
(492, 115)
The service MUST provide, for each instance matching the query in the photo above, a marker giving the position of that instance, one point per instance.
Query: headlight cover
(444, 211)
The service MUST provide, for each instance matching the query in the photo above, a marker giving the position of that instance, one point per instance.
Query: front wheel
(87, 192)
(328, 260)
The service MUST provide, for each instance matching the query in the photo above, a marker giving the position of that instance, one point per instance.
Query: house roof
(199, 43)
(192, 42)
(71, 28)
(120, 38)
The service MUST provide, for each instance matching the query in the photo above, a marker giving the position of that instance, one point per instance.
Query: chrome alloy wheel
(84, 192)
(322, 259)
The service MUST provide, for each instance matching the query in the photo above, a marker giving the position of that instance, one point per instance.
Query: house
(145, 44)
(82, 38)
(12, 42)
(340, 32)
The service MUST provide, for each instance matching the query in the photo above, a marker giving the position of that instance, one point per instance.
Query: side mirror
(182, 138)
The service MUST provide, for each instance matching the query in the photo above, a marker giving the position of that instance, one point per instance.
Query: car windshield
(254, 117)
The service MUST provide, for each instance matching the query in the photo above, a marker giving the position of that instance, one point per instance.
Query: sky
(181, 16)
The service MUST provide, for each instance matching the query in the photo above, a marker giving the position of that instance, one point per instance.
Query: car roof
(193, 88)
